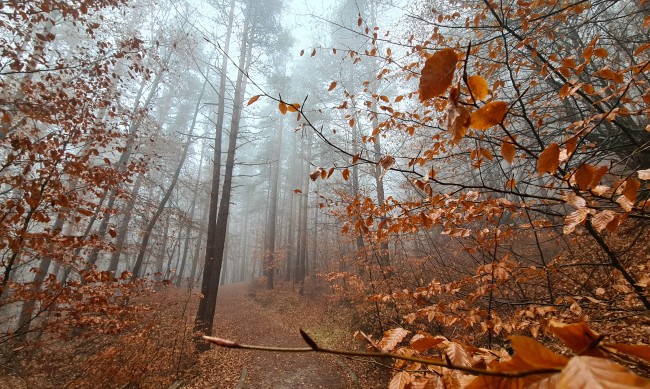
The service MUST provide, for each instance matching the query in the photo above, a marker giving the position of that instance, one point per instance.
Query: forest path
(244, 319)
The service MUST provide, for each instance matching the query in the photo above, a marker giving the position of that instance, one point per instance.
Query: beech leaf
(392, 337)
(584, 176)
(283, 108)
(332, 86)
(549, 160)
(589, 372)
(437, 74)
(508, 151)
(535, 354)
(400, 380)
(478, 86)
(458, 119)
(489, 115)
(641, 351)
(253, 99)
(578, 337)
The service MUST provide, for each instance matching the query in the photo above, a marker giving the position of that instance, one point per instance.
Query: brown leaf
(584, 175)
(535, 354)
(400, 380)
(644, 174)
(315, 174)
(602, 219)
(489, 115)
(478, 86)
(458, 119)
(573, 219)
(392, 337)
(283, 108)
(422, 343)
(549, 160)
(437, 74)
(590, 372)
(632, 186)
(346, 174)
(578, 337)
(457, 354)
(641, 351)
(508, 151)
(253, 99)
(332, 86)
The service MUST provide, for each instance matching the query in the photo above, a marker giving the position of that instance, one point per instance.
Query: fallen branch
(314, 347)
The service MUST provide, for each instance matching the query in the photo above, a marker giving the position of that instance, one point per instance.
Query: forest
(324, 194)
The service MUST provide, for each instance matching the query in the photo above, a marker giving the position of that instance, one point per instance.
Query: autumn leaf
(346, 174)
(584, 176)
(478, 86)
(422, 343)
(253, 99)
(644, 174)
(283, 108)
(535, 354)
(437, 74)
(508, 151)
(589, 372)
(549, 159)
(293, 107)
(458, 119)
(572, 220)
(488, 115)
(632, 186)
(400, 380)
(578, 337)
(392, 337)
(641, 351)
(297, 191)
(386, 162)
(332, 86)
(602, 219)
(457, 354)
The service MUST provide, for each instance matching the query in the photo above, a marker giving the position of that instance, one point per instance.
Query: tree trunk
(269, 250)
(210, 285)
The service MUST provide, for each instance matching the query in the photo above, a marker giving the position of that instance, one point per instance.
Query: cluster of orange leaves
(531, 366)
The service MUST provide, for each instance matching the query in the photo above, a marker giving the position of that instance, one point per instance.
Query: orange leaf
(437, 74)
(458, 119)
(489, 115)
(478, 86)
(283, 108)
(601, 220)
(578, 337)
(293, 107)
(535, 354)
(641, 351)
(609, 74)
(487, 154)
(346, 174)
(589, 372)
(601, 52)
(297, 191)
(392, 337)
(584, 175)
(332, 86)
(508, 151)
(632, 186)
(422, 343)
(253, 99)
(400, 380)
(549, 160)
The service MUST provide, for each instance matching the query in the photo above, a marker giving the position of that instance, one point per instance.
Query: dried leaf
(508, 151)
(253, 99)
(584, 176)
(632, 186)
(644, 174)
(641, 351)
(457, 354)
(400, 380)
(489, 115)
(422, 343)
(392, 337)
(346, 174)
(478, 86)
(332, 86)
(283, 108)
(590, 372)
(437, 74)
(602, 219)
(573, 219)
(578, 337)
(549, 160)
(458, 119)
(535, 354)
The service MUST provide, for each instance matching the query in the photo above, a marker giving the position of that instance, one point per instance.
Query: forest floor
(251, 315)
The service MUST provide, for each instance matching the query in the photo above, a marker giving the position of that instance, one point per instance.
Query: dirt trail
(240, 318)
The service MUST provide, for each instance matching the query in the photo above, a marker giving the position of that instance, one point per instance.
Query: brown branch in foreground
(313, 347)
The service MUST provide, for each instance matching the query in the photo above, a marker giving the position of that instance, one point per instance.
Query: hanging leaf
(253, 99)
(584, 175)
(602, 219)
(422, 343)
(590, 372)
(332, 86)
(391, 338)
(458, 119)
(535, 354)
(437, 74)
(549, 159)
(508, 151)
(293, 107)
(478, 86)
(573, 219)
(400, 380)
(489, 115)
(578, 337)
(641, 351)
(644, 174)
(632, 186)
(457, 354)
(297, 191)
(283, 108)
